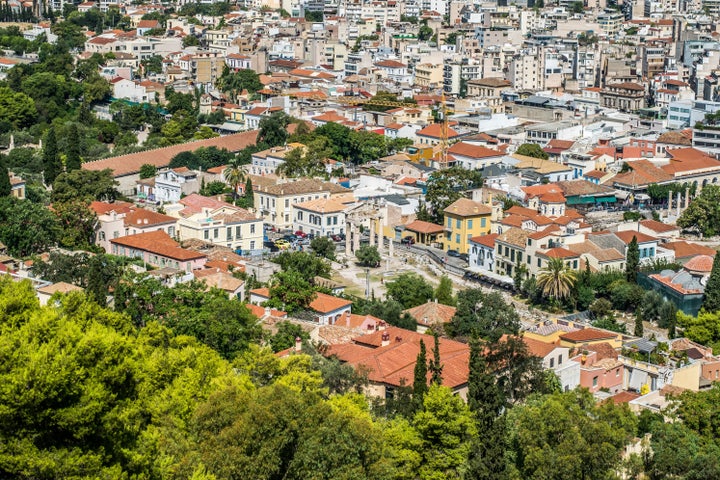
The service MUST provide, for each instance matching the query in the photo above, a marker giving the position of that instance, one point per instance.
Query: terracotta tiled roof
(658, 227)
(157, 242)
(552, 198)
(218, 279)
(643, 172)
(102, 208)
(144, 218)
(59, 287)
(491, 82)
(685, 249)
(572, 188)
(473, 151)
(465, 207)
(322, 205)
(434, 130)
(627, 236)
(324, 303)
(588, 334)
(523, 211)
(131, 163)
(394, 364)
(432, 312)
(303, 186)
(390, 64)
(486, 240)
(603, 349)
(538, 348)
(259, 311)
(559, 252)
(701, 263)
(514, 236)
(261, 292)
(420, 226)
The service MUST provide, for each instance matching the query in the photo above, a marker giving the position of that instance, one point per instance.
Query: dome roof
(701, 263)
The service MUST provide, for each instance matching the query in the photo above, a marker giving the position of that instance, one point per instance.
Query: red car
(300, 234)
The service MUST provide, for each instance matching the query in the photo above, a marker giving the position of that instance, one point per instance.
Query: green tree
(287, 333)
(26, 228)
(711, 301)
(77, 222)
(17, 108)
(639, 330)
(323, 247)
(703, 329)
(72, 155)
(409, 290)
(557, 279)
(420, 382)
(147, 171)
(590, 449)
(702, 214)
(577, 7)
(446, 427)
(102, 274)
(248, 199)
(446, 186)
(444, 291)
(632, 264)
(368, 256)
(5, 186)
(487, 316)
(305, 264)
(234, 175)
(668, 318)
(532, 150)
(52, 163)
(85, 185)
(436, 367)
(273, 129)
(290, 291)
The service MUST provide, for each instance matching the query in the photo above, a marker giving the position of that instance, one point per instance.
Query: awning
(622, 194)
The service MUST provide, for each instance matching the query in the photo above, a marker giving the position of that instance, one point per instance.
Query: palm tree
(557, 279)
(234, 175)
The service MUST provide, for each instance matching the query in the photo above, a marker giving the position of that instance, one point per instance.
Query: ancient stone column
(347, 239)
(372, 232)
(687, 197)
(677, 207)
(669, 211)
(356, 238)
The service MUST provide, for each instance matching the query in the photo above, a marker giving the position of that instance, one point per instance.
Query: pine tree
(632, 263)
(436, 367)
(712, 289)
(5, 186)
(420, 386)
(72, 160)
(52, 164)
(639, 329)
(668, 318)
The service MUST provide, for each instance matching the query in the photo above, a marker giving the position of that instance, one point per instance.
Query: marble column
(391, 247)
(687, 197)
(372, 232)
(669, 211)
(356, 238)
(678, 205)
(347, 239)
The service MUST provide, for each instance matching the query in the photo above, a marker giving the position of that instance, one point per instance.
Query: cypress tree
(249, 195)
(5, 186)
(639, 329)
(72, 160)
(52, 164)
(711, 303)
(632, 264)
(420, 386)
(436, 367)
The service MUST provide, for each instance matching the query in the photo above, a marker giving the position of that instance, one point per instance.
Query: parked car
(300, 234)
(453, 253)
(289, 238)
(271, 247)
(336, 238)
(282, 244)
(409, 240)
(465, 256)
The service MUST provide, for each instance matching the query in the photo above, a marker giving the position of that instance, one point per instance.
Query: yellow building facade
(463, 220)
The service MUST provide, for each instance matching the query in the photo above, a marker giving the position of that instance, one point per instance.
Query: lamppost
(367, 283)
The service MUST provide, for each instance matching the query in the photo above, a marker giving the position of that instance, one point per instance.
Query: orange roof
(685, 249)
(627, 236)
(643, 172)
(559, 252)
(659, 227)
(101, 208)
(588, 334)
(157, 242)
(553, 197)
(160, 157)
(394, 364)
(465, 207)
(420, 226)
(432, 312)
(486, 240)
(701, 263)
(539, 348)
(539, 190)
(324, 303)
(261, 292)
(434, 130)
(259, 311)
(473, 151)
(143, 218)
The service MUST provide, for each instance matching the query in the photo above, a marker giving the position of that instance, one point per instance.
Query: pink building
(159, 250)
(119, 219)
(600, 368)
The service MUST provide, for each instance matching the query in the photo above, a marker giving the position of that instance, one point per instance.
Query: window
(171, 231)
(560, 359)
(469, 224)
(287, 203)
(595, 380)
(216, 233)
(457, 223)
(252, 245)
(335, 220)
(617, 372)
(552, 363)
(252, 228)
(483, 222)
(449, 223)
(539, 263)
(238, 230)
(329, 221)
(457, 238)
(206, 234)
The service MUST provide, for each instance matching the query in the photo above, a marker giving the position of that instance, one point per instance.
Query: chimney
(139, 221)
(385, 339)
(298, 344)
(145, 221)
(267, 311)
(347, 318)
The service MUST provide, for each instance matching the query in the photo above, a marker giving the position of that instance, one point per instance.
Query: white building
(172, 184)
(321, 217)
